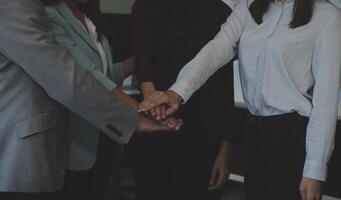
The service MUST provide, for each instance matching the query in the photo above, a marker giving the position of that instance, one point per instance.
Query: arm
(218, 106)
(27, 40)
(220, 170)
(214, 55)
(128, 66)
(321, 127)
(81, 59)
(142, 43)
(322, 123)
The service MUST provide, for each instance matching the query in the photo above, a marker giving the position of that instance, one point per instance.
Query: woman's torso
(276, 61)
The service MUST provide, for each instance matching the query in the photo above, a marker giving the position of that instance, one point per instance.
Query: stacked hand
(147, 123)
(161, 104)
(156, 105)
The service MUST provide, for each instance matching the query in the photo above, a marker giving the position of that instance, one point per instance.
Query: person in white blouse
(290, 57)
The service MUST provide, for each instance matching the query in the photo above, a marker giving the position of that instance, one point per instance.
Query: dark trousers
(170, 169)
(275, 157)
(32, 196)
(92, 184)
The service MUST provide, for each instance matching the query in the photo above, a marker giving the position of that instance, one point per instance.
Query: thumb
(303, 191)
(172, 109)
(214, 175)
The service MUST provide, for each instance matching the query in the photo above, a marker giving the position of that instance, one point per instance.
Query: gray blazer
(70, 33)
(36, 76)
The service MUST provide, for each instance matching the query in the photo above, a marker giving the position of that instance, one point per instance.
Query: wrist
(148, 89)
(175, 96)
(224, 148)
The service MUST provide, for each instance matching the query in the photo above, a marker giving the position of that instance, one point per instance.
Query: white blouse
(282, 70)
(92, 30)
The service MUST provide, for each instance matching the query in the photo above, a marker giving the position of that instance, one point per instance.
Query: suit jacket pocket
(37, 124)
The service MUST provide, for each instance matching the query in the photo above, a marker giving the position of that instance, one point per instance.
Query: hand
(169, 98)
(147, 125)
(310, 189)
(159, 112)
(173, 123)
(220, 171)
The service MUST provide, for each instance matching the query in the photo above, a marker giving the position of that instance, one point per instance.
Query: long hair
(302, 13)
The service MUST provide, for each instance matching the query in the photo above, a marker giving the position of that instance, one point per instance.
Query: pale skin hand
(310, 189)
(169, 98)
(220, 170)
(148, 90)
(145, 124)
(159, 112)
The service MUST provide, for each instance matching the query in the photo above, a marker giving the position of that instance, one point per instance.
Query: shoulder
(53, 13)
(326, 10)
(328, 19)
(22, 9)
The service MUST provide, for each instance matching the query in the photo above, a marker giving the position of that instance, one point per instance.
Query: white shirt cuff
(182, 88)
(315, 170)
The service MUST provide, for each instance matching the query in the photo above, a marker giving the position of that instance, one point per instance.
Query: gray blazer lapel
(74, 23)
(107, 49)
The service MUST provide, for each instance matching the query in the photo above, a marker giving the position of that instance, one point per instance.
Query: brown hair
(302, 13)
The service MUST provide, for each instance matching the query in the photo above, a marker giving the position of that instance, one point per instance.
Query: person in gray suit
(38, 79)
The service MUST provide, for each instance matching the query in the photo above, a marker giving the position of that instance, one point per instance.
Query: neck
(74, 7)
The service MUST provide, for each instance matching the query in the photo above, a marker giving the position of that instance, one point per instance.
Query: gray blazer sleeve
(27, 40)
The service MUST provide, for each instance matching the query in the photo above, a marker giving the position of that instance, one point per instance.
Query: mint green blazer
(70, 33)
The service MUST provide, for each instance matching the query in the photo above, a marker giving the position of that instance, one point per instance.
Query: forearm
(148, 89)
(128, 66)
(118, 93)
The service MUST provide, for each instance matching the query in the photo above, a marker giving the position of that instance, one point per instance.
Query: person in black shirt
(193, 163)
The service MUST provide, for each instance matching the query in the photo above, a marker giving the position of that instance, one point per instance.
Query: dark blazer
(167, 35)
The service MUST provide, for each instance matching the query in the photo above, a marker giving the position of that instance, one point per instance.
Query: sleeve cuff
(118, 73)
(315, 170)
(105, 81)
(182, 88)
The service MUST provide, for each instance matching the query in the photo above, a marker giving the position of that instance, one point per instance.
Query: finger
(151, 102)
(213, 179)
(163, 112)
(170, 123)
(311, 194)
(221, 178)
(303, 193)
(175, 124)
(153, 112)
(172, 109)
(159, 100)
(158, 113)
